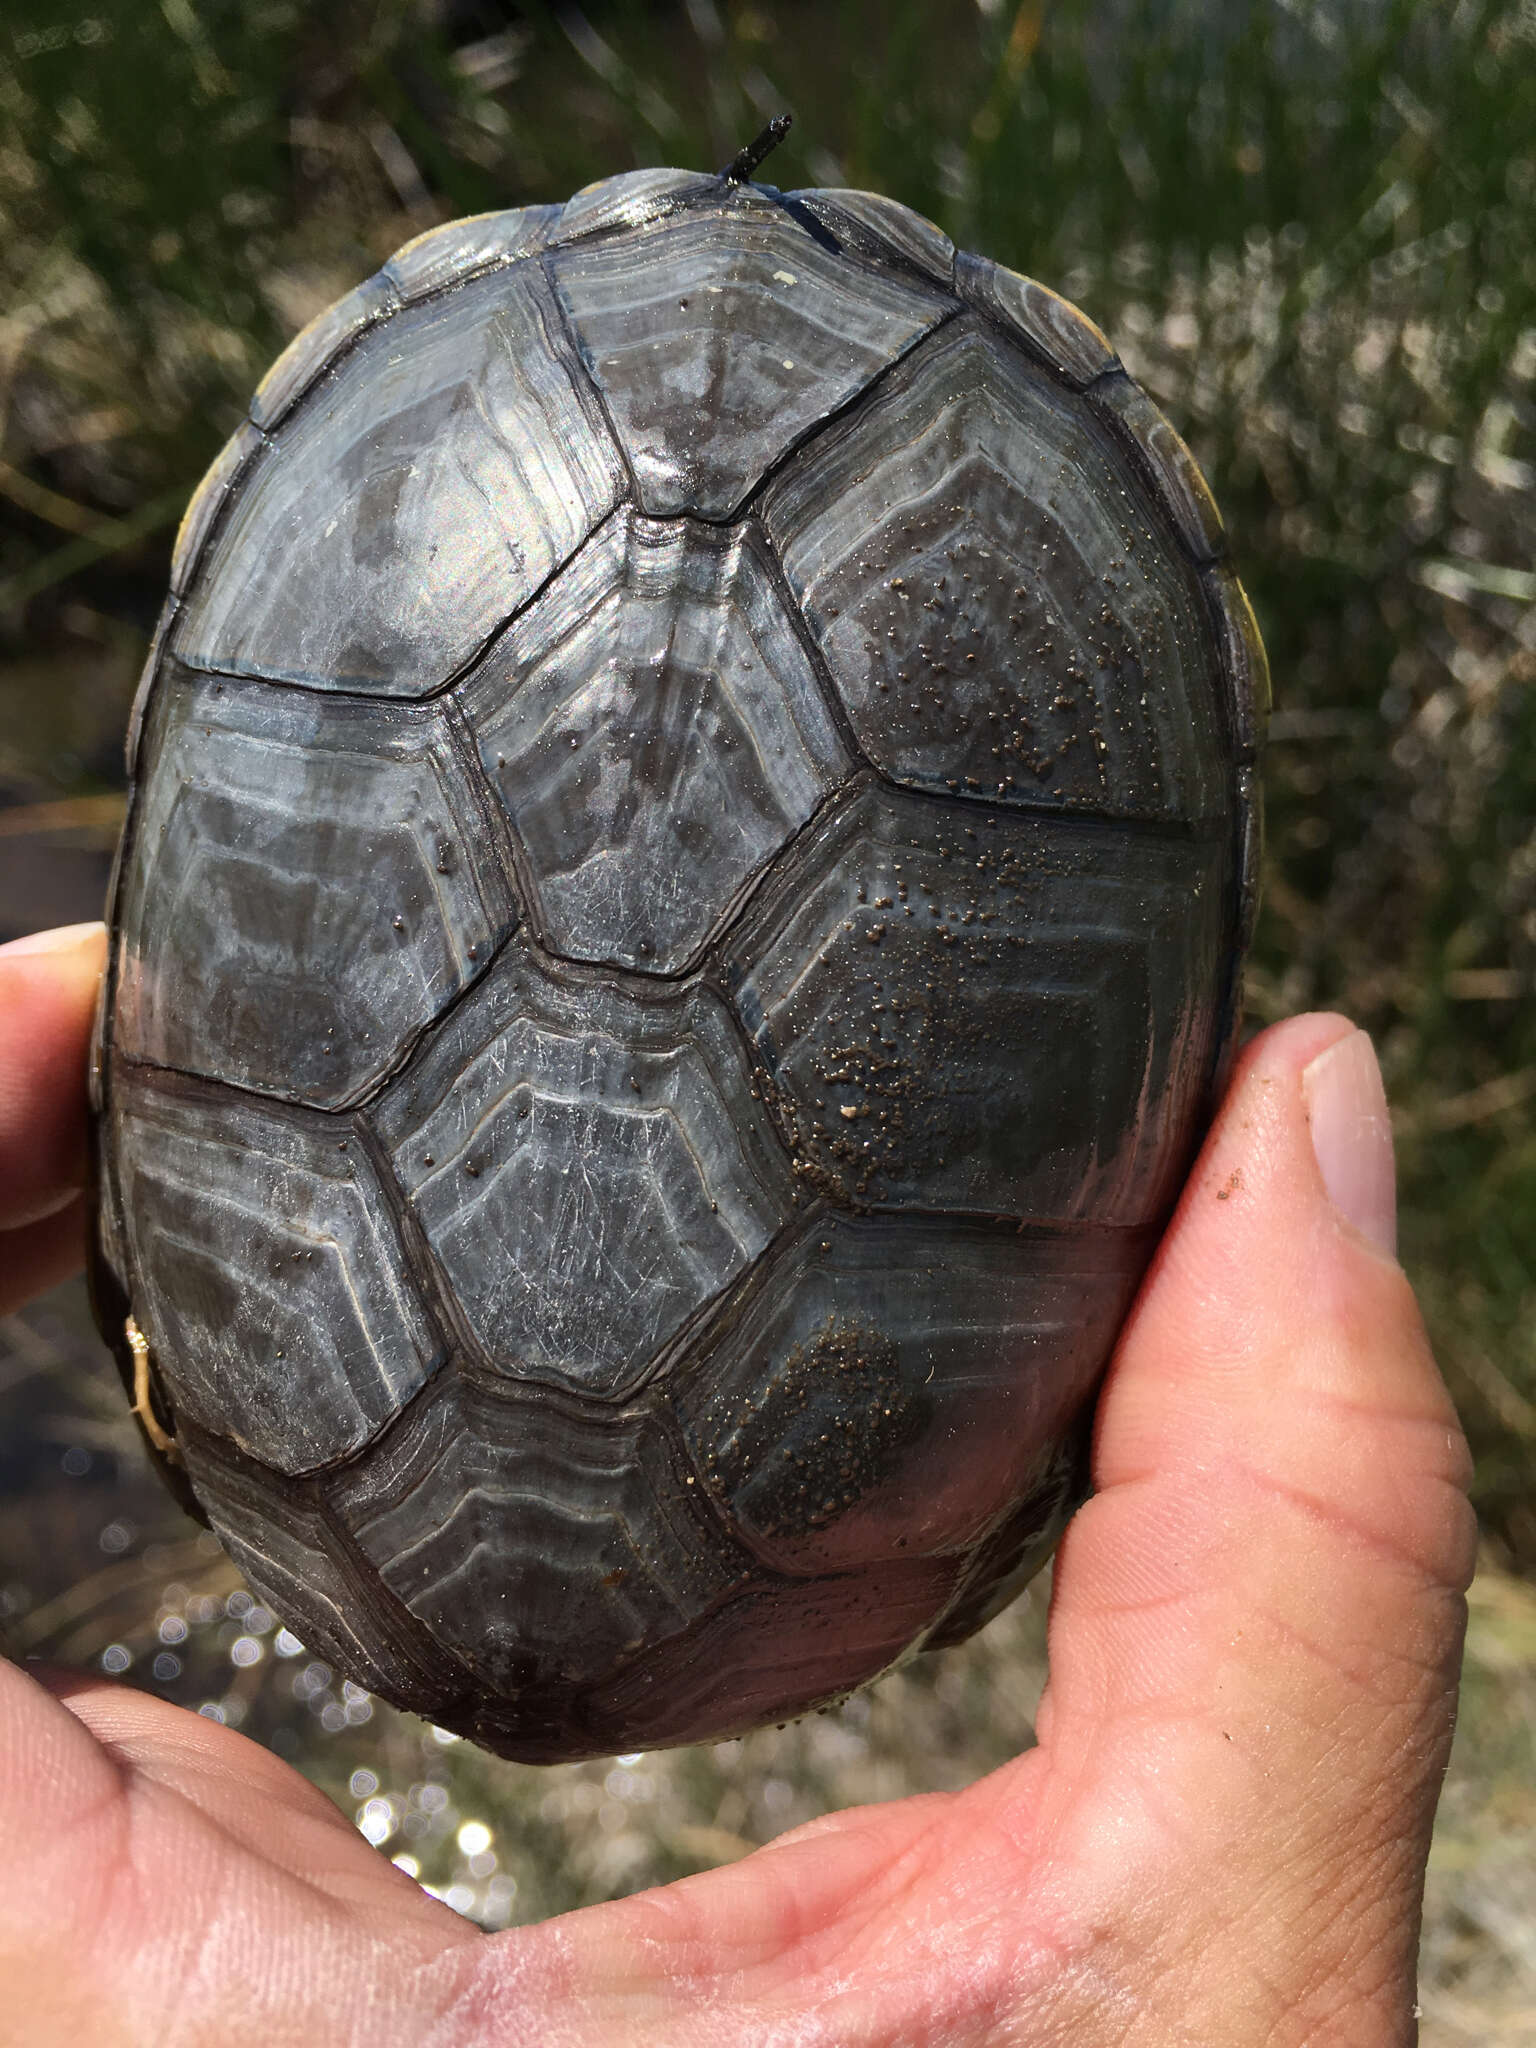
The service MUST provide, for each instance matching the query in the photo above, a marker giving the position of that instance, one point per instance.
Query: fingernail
(1352, 1137)
(59, 940)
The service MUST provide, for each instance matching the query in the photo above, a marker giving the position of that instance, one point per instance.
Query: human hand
(1220, 1838)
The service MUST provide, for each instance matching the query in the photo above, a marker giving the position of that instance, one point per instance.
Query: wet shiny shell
(692, 834)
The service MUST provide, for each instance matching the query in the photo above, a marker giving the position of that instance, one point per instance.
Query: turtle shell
(692, 834)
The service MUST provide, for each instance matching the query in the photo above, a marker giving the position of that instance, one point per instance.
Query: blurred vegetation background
(1309, 226)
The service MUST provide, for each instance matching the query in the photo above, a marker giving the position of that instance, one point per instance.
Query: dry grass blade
(1489, 1099)
(96, 818)
(54, 1626)
(106, 537)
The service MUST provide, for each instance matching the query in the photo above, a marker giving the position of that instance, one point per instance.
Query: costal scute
(693, 831)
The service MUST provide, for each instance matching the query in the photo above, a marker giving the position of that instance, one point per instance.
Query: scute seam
(1120, 379)
(801, 627)
(504, 846)
(390, 303)
(402, 1629)
(184, 575)
(812, 434)
(1034, 353)
(589, 383)
(449, 1323)
(466, 668)
(863, 237)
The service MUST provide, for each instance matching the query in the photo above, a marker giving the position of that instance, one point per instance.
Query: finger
(176, 1883)
(880, 1925)
(48, 985)
(41, 1254)
(59, 1793)
(258, 1802)
(1257, 1619)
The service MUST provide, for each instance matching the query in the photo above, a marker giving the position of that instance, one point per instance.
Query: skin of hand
(1220, 1838)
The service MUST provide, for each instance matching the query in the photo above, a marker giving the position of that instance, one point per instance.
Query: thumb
(48, 985)
(1256, 1629)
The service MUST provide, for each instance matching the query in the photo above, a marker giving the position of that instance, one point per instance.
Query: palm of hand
(1220, 1837)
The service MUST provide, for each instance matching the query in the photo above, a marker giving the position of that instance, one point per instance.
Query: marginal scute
(655, 729)
(111, 1239)
(885, 1387)
(306, 888)
(462, 248)
(279, 1538)
(609, 1147)
(768, 1653)
(1250, 792)
(897, 226)
(718, 338)
(149, 675)
(631, 199)
(1049, 326)
(1246, 661)
(456, 438)
(268, 1276)
(985, 574)
(543, 1544)
(314, 348)
(965, 1009)
(1011, 1553)
(1177, 475)
(95, 1070)
(208, 501)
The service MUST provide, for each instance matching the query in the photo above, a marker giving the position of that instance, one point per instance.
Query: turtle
(693, 830)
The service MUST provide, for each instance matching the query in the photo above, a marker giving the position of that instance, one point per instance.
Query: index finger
(48, 986)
